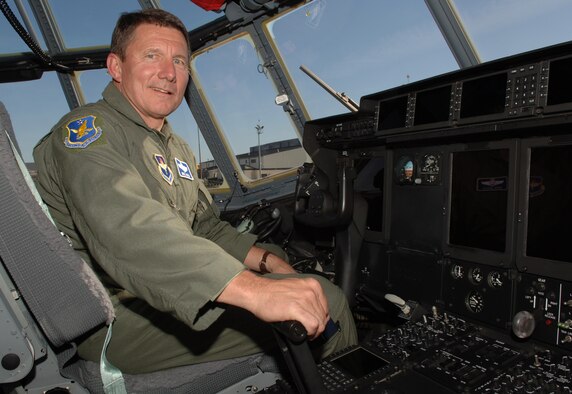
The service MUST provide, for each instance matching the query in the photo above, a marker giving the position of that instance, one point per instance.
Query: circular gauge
(430, 164)
(476, 276)
(404, 170)
(474, 302)
(458, 272)
(495, 279)
(429, 170)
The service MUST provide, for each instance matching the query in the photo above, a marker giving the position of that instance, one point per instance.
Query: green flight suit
(130, 200)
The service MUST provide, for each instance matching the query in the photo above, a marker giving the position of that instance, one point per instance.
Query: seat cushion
(210, 377)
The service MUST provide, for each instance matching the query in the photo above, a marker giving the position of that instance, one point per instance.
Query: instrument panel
(530, 85)
(443, 353)
(478, 291)
(475, 210)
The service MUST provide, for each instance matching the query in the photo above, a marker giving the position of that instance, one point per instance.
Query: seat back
(50, 295)
(6, 126)
(42, 263)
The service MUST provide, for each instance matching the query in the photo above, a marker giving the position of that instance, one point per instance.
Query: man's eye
(180, 62)
(151, 56)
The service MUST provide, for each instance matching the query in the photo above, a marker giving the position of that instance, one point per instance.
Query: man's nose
(168, 71)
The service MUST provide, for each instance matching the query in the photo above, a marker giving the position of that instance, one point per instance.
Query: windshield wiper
(341, 97)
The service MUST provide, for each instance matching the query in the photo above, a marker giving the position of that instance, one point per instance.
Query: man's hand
(274, 300)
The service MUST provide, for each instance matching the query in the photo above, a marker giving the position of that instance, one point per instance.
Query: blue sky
(357, 46)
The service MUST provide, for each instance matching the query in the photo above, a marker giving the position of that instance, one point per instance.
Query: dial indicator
(476, 276)
(458, 272)
(495, 280)
(475, 302)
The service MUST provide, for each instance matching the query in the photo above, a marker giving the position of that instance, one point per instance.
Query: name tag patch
(184, 169)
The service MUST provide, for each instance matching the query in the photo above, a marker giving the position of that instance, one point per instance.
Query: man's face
(153, 75)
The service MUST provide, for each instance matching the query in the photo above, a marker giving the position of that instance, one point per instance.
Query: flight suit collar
(117, 101)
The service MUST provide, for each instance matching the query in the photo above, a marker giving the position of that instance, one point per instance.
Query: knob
(523, 324)
(399, 302)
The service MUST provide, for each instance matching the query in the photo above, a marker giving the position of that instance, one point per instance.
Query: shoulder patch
(82, 132)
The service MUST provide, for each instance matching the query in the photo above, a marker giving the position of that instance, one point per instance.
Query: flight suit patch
(82, 132)
(164, 169)
(184, 169)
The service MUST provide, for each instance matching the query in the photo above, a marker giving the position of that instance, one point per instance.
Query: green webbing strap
(111, 377)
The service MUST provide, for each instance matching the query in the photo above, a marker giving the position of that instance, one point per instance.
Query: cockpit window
(504, 28)
(234, 79)
(93, 21)
(31, 117)
(10, 41)
(83, 24)
(359, 50)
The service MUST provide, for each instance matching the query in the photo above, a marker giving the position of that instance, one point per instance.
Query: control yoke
(320, 204)
(291, 336)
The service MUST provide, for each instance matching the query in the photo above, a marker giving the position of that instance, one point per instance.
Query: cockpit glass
(504, 28)
(234, 79)
(359, 49)
(10, 41)
(30, 116)
(89, 23)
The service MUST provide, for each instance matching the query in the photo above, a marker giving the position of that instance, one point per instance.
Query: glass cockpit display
(549, 204)
(479, 198)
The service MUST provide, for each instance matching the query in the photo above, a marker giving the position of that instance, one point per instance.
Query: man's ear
(114, 65)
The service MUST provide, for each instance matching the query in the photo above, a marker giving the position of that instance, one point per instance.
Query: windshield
(356, 47)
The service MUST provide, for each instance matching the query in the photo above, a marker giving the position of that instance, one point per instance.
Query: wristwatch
(262, 265)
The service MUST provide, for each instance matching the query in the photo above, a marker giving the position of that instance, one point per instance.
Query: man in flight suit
(186, 286)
